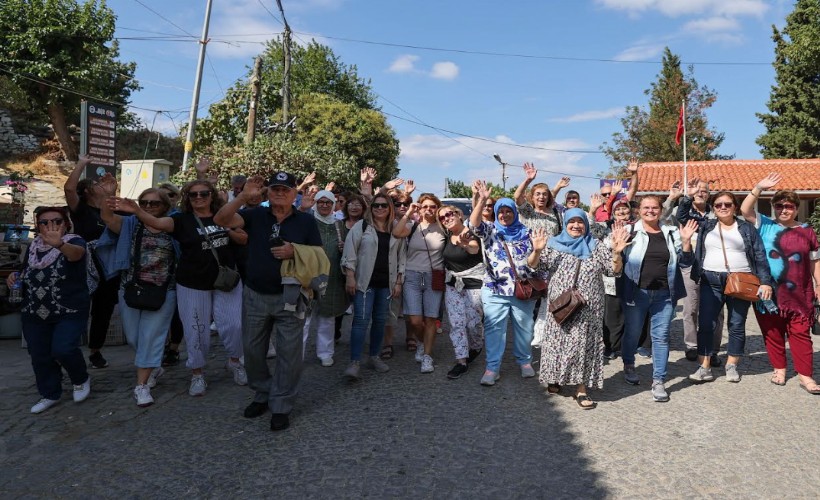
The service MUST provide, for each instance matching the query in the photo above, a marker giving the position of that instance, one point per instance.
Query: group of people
(583, 286)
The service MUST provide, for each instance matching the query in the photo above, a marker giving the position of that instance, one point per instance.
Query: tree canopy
(54, 49)
(793, 123)
(649, 134)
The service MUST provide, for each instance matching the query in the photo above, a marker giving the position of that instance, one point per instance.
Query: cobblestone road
(403, 434)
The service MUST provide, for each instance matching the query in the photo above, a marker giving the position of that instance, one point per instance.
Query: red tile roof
(732, 175)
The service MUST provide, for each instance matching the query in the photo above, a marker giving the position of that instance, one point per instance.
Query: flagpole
(685, 179)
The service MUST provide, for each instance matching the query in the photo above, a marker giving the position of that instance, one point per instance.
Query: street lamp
(503, 172)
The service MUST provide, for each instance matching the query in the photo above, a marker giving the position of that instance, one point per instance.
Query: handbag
(226, 278)
(741, 285)
(139, 294)
(437, 283)
(526, 289)
(566, 304)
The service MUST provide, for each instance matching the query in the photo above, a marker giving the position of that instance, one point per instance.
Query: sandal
(815, 390)
(778, 378)
(387, 352)
(411, 344)
(553, 389)
(585, 402)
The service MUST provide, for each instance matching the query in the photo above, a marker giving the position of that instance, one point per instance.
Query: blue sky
(535, 102)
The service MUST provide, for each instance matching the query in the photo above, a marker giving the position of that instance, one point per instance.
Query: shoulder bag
(227, 278)
(742, 286)
(139, 294)
(438, 280)
(526, 289)
(566, 304)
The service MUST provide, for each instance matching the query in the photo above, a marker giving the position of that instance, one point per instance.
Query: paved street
(407, 435)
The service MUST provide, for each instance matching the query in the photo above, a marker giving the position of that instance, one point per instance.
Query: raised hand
(203, 165)
(122, 205)
(675, 190)
(367, 175)
(308, 180)
(619, 240)
(413, 210)
(393, 184)
(483, 191)
(108, 183)
(633, 165)
(769, 181)
(562, 183)
(51, 236)
(692, 187)
(308, 199)
(689, 230)
(83, 160)
(330, 186)
(409, 186)
(595, 202)
(530, 171)
(255, 186)
(539, 238)
(618, 224)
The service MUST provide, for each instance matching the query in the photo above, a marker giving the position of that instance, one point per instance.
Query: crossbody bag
(739, 285)
(226, 278)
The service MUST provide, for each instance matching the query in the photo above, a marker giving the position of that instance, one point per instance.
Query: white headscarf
(327, 219)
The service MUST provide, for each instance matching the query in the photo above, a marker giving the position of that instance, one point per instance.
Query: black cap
(282, 179)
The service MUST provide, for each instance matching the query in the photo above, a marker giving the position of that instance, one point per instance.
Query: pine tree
(649, 135)
(793, 126)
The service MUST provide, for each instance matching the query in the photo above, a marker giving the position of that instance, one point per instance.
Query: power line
(180, 28)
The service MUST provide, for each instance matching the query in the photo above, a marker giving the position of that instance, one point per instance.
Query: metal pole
(256, 85)
(685, 177)
(203, 43)
(286, 69)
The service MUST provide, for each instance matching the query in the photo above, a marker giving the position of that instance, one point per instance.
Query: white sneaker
(43, 405)
(327, 361)
(419, 352)
(240, 376)
(82, 391)
(427, 364)
(142, 393)
(271, 350)
(198, 386)
(155, 374)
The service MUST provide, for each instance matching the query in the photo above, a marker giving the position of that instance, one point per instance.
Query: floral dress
(573, 353)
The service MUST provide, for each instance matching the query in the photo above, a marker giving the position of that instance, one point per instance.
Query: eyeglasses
(428, 207)
(721, 205)
(650, 209)
(199, 194)
(58, 221)
(401, 204)
(785, 206)
(150, 203)
(172, 195)
(446, 215)
(379, 205)
(324, 202)
(354, 204)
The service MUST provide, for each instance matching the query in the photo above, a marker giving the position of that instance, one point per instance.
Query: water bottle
(14, 242)
(16, 290)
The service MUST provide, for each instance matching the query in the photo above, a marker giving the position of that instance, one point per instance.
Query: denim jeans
(657, 304)
(497, 308)
(712, 300)
(145, 331)
(372, 304)
(55, 343)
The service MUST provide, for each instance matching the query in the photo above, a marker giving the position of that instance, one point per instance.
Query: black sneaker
(255, 409)
(457, 371)
(279, 422)
(171, 358)
(474, 353)
(692, 354)
(96, 360)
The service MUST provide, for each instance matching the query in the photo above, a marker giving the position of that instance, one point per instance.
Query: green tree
(67, 44)
(458, 189)
(649, 134)
(793, 124)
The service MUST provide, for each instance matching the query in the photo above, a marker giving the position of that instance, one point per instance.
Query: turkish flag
(681, 127)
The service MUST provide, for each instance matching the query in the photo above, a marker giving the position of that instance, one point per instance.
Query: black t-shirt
(88, 223)
(197, 266)
(263, 269)
(457, 259)
(381, 271)
(655, 262)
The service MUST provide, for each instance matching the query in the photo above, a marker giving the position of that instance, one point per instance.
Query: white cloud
(676, 8)
(247, 23)
(404, 64)
(592, 115)
(711, 25)
(640, 52)
(444, 70)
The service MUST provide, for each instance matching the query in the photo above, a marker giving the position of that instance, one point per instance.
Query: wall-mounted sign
(99, 138)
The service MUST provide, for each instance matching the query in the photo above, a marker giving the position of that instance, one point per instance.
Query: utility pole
(203, 43)
(256, 86)
(286, 71)
(503, 172)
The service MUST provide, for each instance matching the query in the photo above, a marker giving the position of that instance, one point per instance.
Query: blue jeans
(712, 300)
(146, 331)
(497, 309)
(658, 305)
(372, 304)
(55, 343)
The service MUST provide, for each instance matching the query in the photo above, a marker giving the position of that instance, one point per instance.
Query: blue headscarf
(581, 246)
(515, 231)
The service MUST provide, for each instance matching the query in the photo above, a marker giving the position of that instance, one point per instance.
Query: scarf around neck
(41, 255)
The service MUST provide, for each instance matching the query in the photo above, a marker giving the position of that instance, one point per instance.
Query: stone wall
(13, 142)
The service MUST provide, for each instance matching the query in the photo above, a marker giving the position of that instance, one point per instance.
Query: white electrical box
(138, 175)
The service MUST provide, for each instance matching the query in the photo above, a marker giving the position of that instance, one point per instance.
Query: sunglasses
(58, 221)
(446, 215)
(199, 194)
(150, 203)
(785, 206)
(401, 204)
(428, 207)
(724, 205)
(379, 205)
(605, 194)
(172, 195)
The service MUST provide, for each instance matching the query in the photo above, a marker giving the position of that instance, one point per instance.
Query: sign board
(99, 138)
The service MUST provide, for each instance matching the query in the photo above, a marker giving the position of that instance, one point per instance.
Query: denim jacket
(634, 255)
(753, 244)
(686, 212)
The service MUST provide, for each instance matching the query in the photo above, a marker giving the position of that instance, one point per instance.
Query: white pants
(325, 330)
(195, 310)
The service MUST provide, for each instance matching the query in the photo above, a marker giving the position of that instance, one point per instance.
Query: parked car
(465, 204)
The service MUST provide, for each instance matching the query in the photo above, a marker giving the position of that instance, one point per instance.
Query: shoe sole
(630, 382)
(145, 405)
(700, 381)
